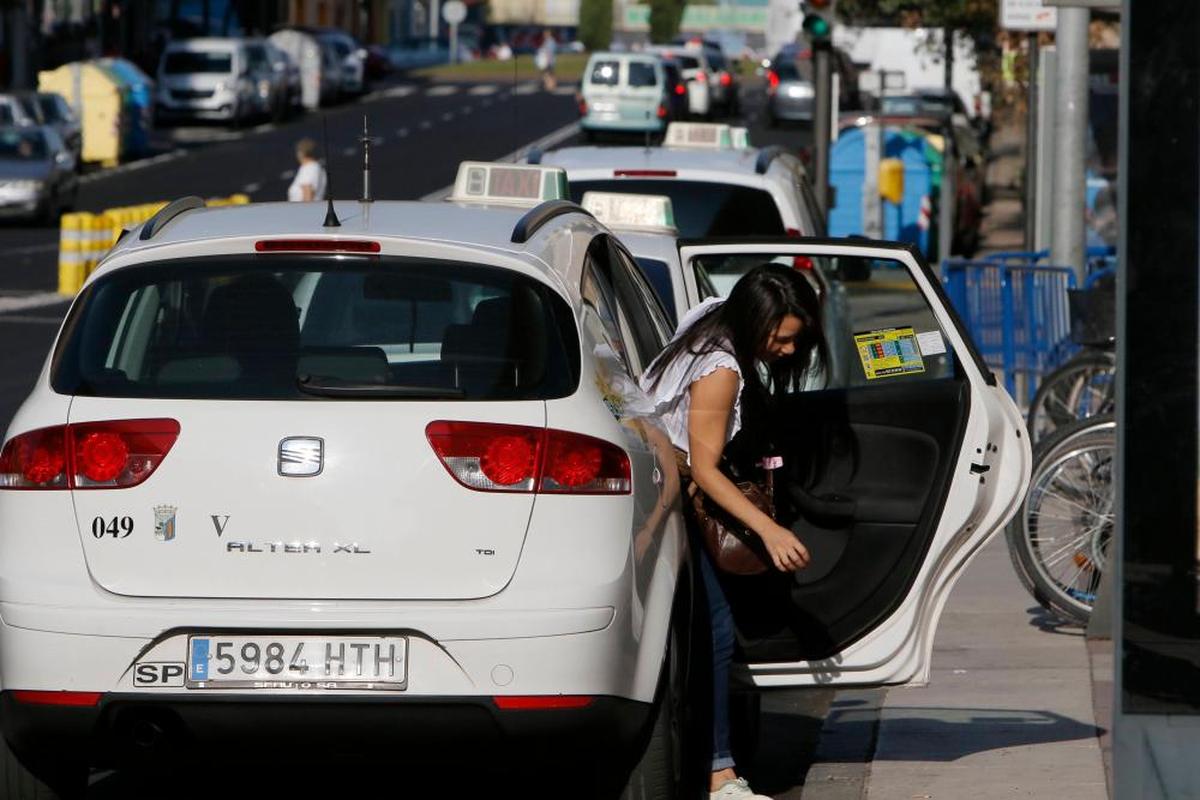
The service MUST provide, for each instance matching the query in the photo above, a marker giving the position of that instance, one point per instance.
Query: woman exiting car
(715, 380)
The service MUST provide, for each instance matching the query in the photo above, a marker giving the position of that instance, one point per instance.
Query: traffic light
(818, 20)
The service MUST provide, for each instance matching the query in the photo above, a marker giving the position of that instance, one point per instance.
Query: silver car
(37, 174)
(789, 94)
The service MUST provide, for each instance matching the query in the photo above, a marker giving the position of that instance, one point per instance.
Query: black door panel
(866, 472)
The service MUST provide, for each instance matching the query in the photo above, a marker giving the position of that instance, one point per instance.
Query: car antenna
(331, 220)
(366, 145)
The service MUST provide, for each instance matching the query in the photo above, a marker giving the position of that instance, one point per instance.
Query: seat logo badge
(164, 523)
(219, 523)
(301, 456)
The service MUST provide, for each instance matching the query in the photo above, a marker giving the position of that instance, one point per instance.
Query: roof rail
(534, 156)
(538, 216)
(766, 156)
(169, 212)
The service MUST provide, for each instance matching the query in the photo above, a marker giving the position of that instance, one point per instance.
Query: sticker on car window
(888, 352)
(931, 343)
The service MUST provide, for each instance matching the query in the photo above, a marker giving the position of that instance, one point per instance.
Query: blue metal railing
(1016, 310)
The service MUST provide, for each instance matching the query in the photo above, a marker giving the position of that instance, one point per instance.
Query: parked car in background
(315, 63)
(789, 95)
(676, 89)
(37, 174)
(849, 96)
(59, 115)
(623, 93)
(724, 87)
(351, 58)
(14, 112)
(378, 62)
(694, 66)
(227, 80)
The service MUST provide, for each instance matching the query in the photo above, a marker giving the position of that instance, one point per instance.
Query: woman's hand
(784, 548)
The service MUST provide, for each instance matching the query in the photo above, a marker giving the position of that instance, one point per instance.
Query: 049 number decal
(116, 527)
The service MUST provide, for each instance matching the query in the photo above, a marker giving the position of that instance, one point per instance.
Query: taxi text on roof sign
(649, 212)
(699, 135)
(508, 184)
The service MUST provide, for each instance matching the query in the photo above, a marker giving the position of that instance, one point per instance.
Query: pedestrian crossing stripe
(441, 91)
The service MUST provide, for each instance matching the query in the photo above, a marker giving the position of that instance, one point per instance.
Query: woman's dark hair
(744, 323)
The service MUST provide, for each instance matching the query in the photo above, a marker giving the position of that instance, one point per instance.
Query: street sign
(1027, 15)
(454, 12)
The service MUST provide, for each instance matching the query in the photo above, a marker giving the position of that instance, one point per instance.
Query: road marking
(251, 188)
(399, 91)
(441, 91)
(465, 110)
(483, 90)
(18, 318)
(526, 88)
(376, 141)
(133, 165)
(549, 140)
(28, 301)
(426, 124)
(402, 132)
(349, 151)
(563, 91)
(449, 115)
(287, 174)
(486, 103)
(31, 249)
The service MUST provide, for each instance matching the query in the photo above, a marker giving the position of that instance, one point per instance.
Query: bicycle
(1060, 540)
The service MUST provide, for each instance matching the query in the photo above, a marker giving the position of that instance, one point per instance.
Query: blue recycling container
(903, 222)
(139, 93)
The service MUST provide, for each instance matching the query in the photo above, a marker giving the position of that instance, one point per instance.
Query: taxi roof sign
(643, 212)
(740, 137)
(699, 135)
(495, 183)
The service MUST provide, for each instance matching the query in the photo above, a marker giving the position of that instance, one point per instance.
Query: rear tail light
(701, 77)
(537, 702)
(662, 112)
(87, 455)
(582, 107)
(799, 262)
(490, 457)
(772, 81)
(316, 246)
(36, 698)
(643, 173)
(680, 89)
(726, 79)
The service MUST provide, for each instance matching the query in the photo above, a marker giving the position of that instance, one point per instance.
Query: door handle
(979, 469)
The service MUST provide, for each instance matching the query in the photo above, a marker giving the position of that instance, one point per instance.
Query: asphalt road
(420, 132)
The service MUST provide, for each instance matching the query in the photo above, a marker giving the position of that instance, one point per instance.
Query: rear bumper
(596, 122)
(791, 108)
(128, 729)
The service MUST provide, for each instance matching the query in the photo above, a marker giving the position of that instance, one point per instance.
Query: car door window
(878, 326)
(641, 305)
(600, 309)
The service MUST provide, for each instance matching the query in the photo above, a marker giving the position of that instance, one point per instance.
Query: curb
(841, 768)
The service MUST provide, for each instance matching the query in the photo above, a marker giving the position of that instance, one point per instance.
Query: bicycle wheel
(1061, 537)
(1083, 387)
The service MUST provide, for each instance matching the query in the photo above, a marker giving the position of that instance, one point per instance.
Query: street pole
(949, 194)
(1070, 141)
(433, 21)
(1031, 148)
(822, 123)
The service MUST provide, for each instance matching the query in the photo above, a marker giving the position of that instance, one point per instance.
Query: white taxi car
(718, 184)
(389, 486)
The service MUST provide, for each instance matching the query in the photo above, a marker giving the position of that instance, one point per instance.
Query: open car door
(902, 457)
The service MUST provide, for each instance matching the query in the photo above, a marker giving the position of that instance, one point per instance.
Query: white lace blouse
(671, 397)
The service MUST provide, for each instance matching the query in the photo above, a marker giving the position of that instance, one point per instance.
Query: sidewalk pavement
(1009, 709)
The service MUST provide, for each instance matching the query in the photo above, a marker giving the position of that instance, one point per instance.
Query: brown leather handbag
(732, 547)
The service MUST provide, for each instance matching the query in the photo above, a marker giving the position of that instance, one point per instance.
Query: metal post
(872, 203)
(433, 21)
(948, 198)
(1031, 148)
(822, 123)
(1070, 140)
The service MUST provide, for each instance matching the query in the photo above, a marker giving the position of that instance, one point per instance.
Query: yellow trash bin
(98, 100)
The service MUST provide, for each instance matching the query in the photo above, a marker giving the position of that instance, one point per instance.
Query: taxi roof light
(488, 183)
(699, 136)
(641, 211)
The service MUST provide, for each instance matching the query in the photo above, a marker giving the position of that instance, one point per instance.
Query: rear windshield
(688, 62)
(605, 73)
(6, 114)
(315, 327)
(641, 73)
(703, 209)
(53, 108)
(192, 61)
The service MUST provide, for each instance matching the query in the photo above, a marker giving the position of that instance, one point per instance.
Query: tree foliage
(976, 17)
(665, 16)
(596, 23)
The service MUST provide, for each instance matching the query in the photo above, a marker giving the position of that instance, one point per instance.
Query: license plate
(297, 662)
(604, 106)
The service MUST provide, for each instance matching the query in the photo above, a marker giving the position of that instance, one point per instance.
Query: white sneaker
(736, 789)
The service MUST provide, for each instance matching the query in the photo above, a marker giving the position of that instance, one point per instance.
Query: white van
(217, 79)
(623, 92)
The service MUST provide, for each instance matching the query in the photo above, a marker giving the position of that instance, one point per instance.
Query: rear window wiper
(332, 387)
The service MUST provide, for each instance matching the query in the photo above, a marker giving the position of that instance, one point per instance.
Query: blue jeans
(721, 624)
